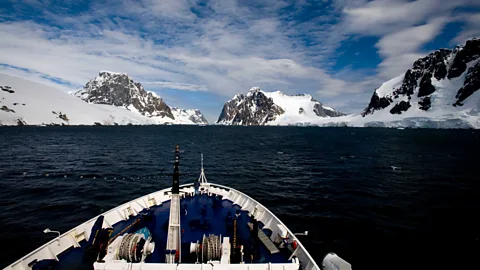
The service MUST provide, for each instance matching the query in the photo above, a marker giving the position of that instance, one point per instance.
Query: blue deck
(204, 215)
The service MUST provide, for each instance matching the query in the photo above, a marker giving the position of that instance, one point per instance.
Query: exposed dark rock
(7, 89)
(333, 113)
(63, 117)
(15, 104)
(319, 110)
(21, 122)
(400, 107)
(195, 116)
(408, 85)
(439, 63)
(376, 103)
(251, 110)
(471, 84)
(256, 108)
(198, 118)
(441, 71)
(465, 54)
(97, 123)
(23, 104)
(434, 65)
(425, 103)
(426, 88)
(6, 109)
(119, 90)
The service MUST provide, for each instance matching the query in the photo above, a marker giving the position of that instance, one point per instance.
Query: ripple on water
(357, 191)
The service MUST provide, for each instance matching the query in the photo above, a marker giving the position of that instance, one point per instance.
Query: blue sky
(199, 54)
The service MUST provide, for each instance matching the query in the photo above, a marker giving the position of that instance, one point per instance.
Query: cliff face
(438, 70)
(119, 90)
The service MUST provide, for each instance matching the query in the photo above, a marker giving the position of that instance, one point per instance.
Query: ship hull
(68, 249)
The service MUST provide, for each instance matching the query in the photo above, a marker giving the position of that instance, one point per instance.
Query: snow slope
(390, 86)
(37, 104)
(188, 117)
(273, 108)
(440, 90)
(441, 115)
(299, 109)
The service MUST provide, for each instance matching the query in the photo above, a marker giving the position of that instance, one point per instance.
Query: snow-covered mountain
(273, 108)
(188, 116)
(23, 102)
(439, 87)
(118, 89)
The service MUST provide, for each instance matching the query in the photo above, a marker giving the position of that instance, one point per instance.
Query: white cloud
(409, 39)
(178, 86)
(400, 49)
(223, 49)
(381, 17)
(404, 27)
(395, 65)
(226, 52)
(470, 30)
(33, 76)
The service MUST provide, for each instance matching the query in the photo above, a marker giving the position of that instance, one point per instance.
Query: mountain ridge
(440, 90)
(24, 102)
(457, 69)
(258, 107)
(118, 89)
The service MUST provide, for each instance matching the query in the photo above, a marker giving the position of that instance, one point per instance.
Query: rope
(95, 176)
(123, 231)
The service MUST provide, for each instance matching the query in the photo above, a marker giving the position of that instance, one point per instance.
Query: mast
(176, 172)
(172, 252)
(202, 179)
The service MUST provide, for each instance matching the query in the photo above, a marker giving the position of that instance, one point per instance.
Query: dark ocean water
(380, 198)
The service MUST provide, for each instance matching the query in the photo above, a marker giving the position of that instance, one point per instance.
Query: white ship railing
(73, 237)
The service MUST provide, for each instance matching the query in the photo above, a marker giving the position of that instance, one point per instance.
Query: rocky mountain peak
(119, 89)
(254, 91)
(253, 109)
(261, 108)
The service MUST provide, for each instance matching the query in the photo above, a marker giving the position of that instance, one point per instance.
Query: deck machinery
(223, 228)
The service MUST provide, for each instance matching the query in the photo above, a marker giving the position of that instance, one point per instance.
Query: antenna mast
(202, 179)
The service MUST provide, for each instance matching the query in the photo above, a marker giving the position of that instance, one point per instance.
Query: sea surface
(379, 198)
